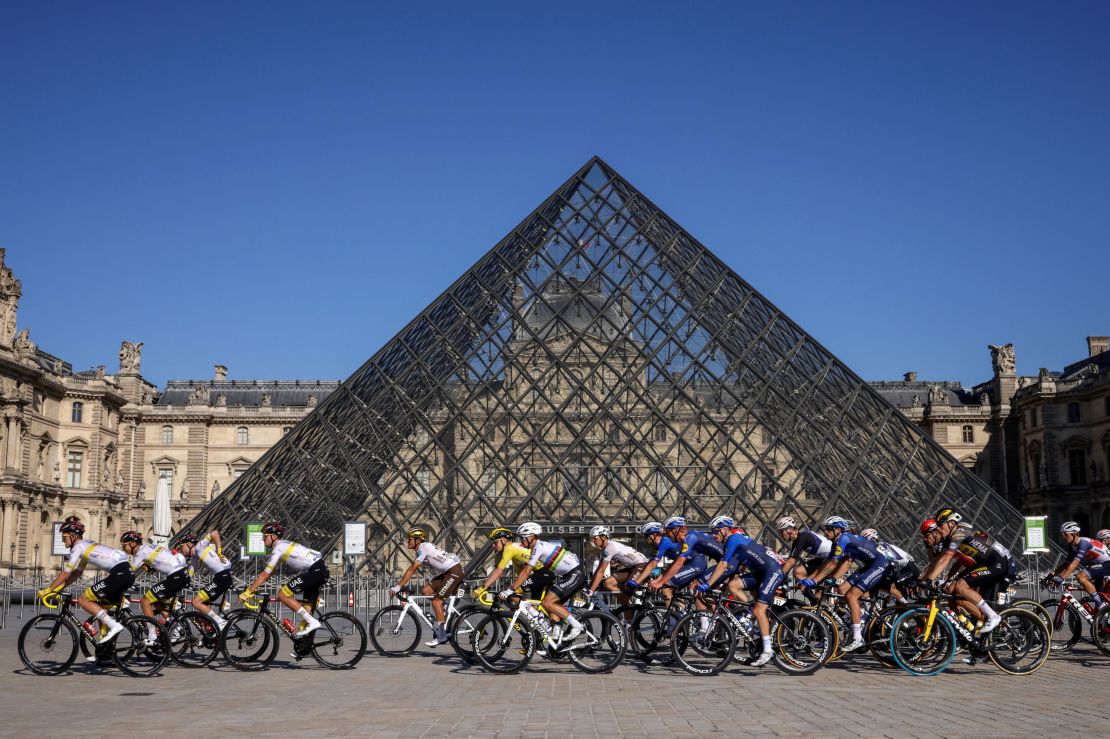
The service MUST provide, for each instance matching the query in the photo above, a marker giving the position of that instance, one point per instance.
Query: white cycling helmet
(721, 522)
(674, 522)
(600, 531)
(1069, 527)
(529, 528)
(871, 534)
(651, 527)
(786, 522)
(837, 522)
(1103, 534)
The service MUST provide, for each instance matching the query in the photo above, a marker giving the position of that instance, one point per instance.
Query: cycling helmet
(274, 528)
(417, 533)
(600, 531)
(674, 522)
(721, 522)
(928, 525)
(651, 527)
(529, 528)
(786, 522)
(500, 533)
(131, 536)
(837, 522)
(1103, 534)
(188, 539)
(944, 515)
(871, 534)
(1069, 527)
(73, 527)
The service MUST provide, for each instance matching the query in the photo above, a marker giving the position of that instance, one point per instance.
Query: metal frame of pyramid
(599, 365)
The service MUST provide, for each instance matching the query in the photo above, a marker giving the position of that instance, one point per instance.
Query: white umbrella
(162, 511)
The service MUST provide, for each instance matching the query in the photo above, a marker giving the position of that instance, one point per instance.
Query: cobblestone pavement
(430, 695)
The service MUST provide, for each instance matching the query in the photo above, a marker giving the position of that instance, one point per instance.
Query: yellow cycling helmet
(417, 534)
(500, 533)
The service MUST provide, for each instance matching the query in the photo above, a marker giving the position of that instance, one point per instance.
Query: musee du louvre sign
(598, 364)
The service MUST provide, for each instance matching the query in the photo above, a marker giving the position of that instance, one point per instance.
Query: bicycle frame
(1067, 600)
(415, 604)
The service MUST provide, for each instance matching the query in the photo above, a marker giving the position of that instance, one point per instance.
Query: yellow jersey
(516, 555)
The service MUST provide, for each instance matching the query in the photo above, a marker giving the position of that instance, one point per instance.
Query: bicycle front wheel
(1100, 629)
(47, 644)
(878, 635)
(1036, 609)
(601, 645)
(194, 639)
(649, 635)
(801, 642)
(710, 643)
(142, 648)
(1020, 644)
(462, 628)
(395, 630)
(340, 641)
(919, 650)
(501, 645)
(1066, 626)
(250, 642)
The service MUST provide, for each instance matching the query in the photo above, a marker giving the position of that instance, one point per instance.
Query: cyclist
(569, 578)
(849, 547)
(626, 559)
(1104, 536)
(108, 589)
(902, 571)
(1090, 561)
(448, 576)
(163, 560)
(209, 553)
(311, 575)
(981, 563)
(513, 554)
(690, 562)
(765, 576)
(808, 551)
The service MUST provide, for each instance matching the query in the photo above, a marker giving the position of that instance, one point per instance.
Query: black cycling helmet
(73, 526)
(131, 536)
(274, 528)
(188, 539)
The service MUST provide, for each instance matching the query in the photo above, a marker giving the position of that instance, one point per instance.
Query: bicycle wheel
(48, 644)
(340, 641)
(194, 639)
(878, 635)
(142, 648)
(1100, 629)
(801, 642)
(649, 636)
(1020, 644)
(711, 641)
(1036, 608)
(501, 645)
(918, 653)
(395, 631)
(601, 645)
(833, 627)
(462, 629)
(1066, 625)
(250, 642)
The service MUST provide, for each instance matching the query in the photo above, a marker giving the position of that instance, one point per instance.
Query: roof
(569, 306)
(901, 394)
(249, 392)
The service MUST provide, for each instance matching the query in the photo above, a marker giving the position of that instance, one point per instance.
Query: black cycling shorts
(565, 586)
(985, 578)
(111, 587)
(169, 586)
(221, 583)
(309, 582)
(539, 581)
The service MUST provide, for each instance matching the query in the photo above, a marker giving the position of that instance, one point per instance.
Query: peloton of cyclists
(1089, 560)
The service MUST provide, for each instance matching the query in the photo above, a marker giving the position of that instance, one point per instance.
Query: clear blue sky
(280, 187)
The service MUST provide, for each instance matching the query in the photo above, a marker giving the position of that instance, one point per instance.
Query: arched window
(242, 436)
(167, 434)
(78, 411)
(969, 434)
(1073, 412)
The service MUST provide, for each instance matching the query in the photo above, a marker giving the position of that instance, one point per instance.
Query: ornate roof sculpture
(599, 364)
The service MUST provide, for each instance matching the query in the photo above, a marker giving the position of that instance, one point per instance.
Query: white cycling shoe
(436, 642)
(308, 629)
(991, 625)
(111, 633)
(854, 645)
(762, 659)
(571, 635)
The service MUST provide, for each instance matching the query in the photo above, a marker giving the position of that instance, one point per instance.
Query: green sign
(1035, 534)
(255, 547)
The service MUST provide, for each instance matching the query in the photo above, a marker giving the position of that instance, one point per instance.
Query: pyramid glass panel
(598, 365)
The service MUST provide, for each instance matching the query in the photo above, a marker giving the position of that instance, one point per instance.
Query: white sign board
(1035, 534)
(59, 549)
(354, 538)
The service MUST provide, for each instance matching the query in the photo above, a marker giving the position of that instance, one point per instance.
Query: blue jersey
(700, 543)
(667, 548)
(855, 546)
(741, 549)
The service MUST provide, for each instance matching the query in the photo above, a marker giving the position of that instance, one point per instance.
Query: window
(424, 479)
(78, 411)
(238, 472)
(242, 436)
(167, 434)
(166, 473)
(1073, 412)
(660, 432)
(969, 434)
(73, 469)
(766, 487)
(1035, 480)
(285, 430)
(1077, 466)
(765, 435)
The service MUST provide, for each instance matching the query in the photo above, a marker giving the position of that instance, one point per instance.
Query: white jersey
(622, 554)
(88, 552)
(553, 558)
(160, 558)
(900, 557)
(294, 556)
(205, 553)
(438, 560)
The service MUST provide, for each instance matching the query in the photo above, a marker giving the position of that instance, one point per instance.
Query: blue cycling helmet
(651, 527)
(722, 522)
(674, 522)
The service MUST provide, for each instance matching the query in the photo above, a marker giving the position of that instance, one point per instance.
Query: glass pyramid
(599, 365)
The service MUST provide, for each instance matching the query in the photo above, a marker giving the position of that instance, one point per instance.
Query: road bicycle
(48, 643)
(252, 636)
(505, 641)
(194, 637)
(395, 630)
(1100, 629)
(652, 626)
(1069, 615)
(924, 640)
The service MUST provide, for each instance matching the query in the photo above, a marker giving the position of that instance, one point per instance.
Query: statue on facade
(267, 400)
(1045, 376)
(200, 394)
(311, 402)
(130, 356)
(916, 401)
(938, 395)
(1002, 359)
(23, 346)
(185, 492)
(10, 291)
(221, 400)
